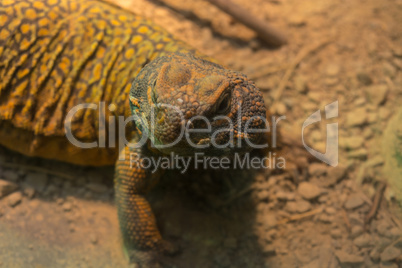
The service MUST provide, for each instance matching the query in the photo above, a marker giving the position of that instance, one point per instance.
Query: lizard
(58, 54)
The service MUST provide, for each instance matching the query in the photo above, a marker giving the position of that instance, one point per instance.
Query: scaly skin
(56, 54)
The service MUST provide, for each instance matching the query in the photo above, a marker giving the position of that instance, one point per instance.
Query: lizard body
(57, 54)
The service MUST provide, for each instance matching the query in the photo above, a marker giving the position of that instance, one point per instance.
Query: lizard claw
(152, 258)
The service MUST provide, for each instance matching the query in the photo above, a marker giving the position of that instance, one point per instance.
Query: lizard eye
(224, 105)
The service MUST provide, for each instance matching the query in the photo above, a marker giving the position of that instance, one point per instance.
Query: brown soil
(312, 218)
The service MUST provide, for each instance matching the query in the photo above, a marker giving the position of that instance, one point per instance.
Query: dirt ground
(61, 215)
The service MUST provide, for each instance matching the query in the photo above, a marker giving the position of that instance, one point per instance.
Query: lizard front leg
(142, 240)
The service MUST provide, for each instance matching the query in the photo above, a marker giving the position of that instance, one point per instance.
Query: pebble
(333, 70)
(363, 241)
(296, 20)
(269, 220)
(375, 254)
(357, 117)
(288, 196)
(355, 219)
(335, 174)
(300, 206)
(326, 218)
(37, 181)
(346, 258)
(263, 195)
(390, 253)
(377, 94)
(356, 231)
(372, 117)
(7, 187)
(384, 113)
(336, 233)
(14, 199)
(359, 102)
(382, 228)
(308, 190)
(359, 154)
(97, 187)
(388, 69)
(300, 84)
(330, 210)
(354, 201)
(94, 239)
(351, 142)
(375, 161)
(29, 192)
(67, 206)
(364, 78)
(317, 169)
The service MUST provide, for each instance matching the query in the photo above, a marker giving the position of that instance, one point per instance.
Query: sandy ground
(63, 216)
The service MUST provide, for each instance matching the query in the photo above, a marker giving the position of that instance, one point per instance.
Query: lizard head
(185, 104)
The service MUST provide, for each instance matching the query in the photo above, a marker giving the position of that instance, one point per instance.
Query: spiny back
(55, 54)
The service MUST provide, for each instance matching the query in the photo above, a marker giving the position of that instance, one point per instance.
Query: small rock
(263, 195)
(349, 259)
(317, 169)
(37, 181)
(359, 102)
(280, 108)
(382, 228)
(377, 94)
(335, 174)
(356, 219)
(390, 253)
(29, 192)
(330, 210)
(94, 239)
(363, 241)
(384, 113)
(336, 233)
(377, 160)
(375, 254)
(67, 206)
(388, 69)
(300, 84)
(333, 70)
(326, 218)
(357, 117)
(354, 201)
(300, 206)
(372, 117)
(308, 190)
(356, 231)
(394, 232)
(281, 195)
(364, 78)
(97, 187)
(360, 153)
(269, 220)
(296, 20)
(351, 142)
(7, 187)
(14, 199)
